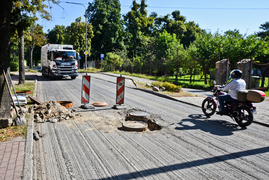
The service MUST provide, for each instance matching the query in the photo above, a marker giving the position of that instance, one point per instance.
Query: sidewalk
(12, 159)
(16, 155)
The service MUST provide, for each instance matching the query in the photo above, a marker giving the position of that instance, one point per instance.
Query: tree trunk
(32, 47)
(190, 75)
(4, 57)
(21, 58)
(205, 77)
(31, 57)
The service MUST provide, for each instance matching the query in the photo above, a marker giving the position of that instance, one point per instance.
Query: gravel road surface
(189, 146)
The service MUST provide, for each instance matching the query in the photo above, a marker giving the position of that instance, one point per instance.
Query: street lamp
(86, 52)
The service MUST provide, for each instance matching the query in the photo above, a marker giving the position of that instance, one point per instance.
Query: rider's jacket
(234, 86)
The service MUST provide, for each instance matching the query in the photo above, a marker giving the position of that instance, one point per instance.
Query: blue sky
(211, 15)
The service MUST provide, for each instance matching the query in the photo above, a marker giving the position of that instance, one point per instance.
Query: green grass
(89, 70)
(11, 132)
(32, 70)
(135, 75)
(23, 87)
(14, 131)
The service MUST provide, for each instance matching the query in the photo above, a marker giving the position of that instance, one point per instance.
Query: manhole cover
(139, 115)
(134, 126)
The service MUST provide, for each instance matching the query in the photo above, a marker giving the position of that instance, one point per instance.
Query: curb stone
(28, 158)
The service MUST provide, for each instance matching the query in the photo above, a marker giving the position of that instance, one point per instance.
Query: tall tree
(5, 6)
(57, 35)
(207, 51)
(34, 37)
(76, 35)
(168, 48)
(265, 31)
(185, 31)
(24, 13)
(105, 18)
(137, 25)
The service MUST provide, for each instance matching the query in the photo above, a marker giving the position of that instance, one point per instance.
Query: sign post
(102, 56)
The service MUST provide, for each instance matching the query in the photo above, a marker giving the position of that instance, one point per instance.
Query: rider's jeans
(225, 98)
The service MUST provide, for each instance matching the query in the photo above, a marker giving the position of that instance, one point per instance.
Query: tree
(185, 31)
(57, 35)
(20, 22)
(189, 36)
(167, 46)
(76, 35)
(264, 34)
(105, 18)
(23, 16)
(34, 37)
(6, 6)
(137, 25)
(206, 52)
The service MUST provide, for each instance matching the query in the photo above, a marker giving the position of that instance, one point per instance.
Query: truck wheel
(73, 77)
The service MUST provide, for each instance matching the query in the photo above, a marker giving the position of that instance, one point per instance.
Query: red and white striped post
(85, 93)
(120, 90)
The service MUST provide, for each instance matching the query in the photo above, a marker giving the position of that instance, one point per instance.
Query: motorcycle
(240, 112)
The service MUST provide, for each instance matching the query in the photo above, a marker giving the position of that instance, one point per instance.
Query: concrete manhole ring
(134, 126)
(139, 115)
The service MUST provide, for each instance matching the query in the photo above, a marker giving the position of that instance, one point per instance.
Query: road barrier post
(120, 92)
(85, 92)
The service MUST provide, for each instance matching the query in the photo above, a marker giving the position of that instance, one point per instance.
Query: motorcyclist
(233, 87)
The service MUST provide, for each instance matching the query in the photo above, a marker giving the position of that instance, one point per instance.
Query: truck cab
(59, 60)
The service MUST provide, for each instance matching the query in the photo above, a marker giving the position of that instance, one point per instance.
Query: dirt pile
(51, 111)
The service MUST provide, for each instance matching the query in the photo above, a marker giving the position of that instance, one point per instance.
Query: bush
(196, 86)
(14, 66)
(168, 86)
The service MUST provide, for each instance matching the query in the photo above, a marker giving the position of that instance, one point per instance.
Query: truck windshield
(64, 55)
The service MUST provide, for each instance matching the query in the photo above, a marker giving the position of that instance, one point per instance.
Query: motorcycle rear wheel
(244, 116)
(209, 107)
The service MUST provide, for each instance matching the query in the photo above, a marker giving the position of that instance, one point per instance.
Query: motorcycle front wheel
(244, 116)
(209, 107)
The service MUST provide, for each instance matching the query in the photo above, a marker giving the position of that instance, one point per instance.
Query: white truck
(59, 60)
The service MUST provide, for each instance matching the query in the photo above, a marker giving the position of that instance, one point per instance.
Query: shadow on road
(195, 163)
(41, 78)
(216, 127)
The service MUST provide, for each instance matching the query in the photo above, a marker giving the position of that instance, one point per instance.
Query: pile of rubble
(51, 111)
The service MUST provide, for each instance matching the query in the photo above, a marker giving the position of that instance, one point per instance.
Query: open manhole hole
(66, 104)
(139, 121)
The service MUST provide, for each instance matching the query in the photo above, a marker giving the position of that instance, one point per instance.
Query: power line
(197, 8)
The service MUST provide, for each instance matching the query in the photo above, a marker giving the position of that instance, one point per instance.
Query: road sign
(102, 56)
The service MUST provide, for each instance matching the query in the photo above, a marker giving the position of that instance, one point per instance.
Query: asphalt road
(189, 146)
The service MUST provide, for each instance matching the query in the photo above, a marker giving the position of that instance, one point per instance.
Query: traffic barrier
(120, 90)
(85, 94)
